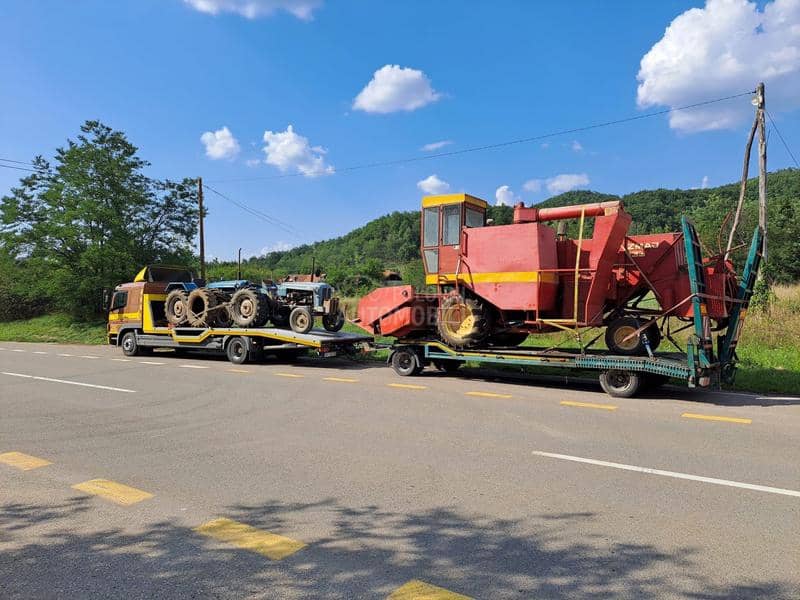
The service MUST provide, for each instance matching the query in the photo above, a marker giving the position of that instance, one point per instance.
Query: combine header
(495, 285)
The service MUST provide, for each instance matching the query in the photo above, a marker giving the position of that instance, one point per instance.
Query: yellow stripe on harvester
(271, 545)
(505, 277)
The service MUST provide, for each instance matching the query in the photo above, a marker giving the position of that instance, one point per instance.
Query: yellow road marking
(488, 395)
(23, 462)
(238, 371)
(408, 386)
(419, 590)
(111, 490)
(716, 418)
(289, 375)
(588, 405)
(341, 379)
(271, 545)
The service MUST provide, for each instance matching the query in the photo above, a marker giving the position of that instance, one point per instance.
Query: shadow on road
(366, 553)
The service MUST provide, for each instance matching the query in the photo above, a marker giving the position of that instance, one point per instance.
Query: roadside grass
(56, 328)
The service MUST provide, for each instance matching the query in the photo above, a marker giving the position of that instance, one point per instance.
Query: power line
(785, 145)
(525, 140)
(17, 168)
(257, 213)
(19, 162)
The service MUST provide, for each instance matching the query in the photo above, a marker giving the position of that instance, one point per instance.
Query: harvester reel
(176, 307)
(462, 322)
(250, 308)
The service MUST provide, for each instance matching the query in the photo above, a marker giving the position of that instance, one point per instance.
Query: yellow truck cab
(138, 306)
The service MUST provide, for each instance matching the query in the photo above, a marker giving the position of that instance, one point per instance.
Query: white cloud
(252, 9)
(724, 48)
(394, 88)
(252, 162)
(504, 196)
(220, 144)
(545, 145)
(279, 246)
(433, 185)
(576, 146)
(704, 183)
(436, 145)
(566, 182)
(532, 185)
(290, 151)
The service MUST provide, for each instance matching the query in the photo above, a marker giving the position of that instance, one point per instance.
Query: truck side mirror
(106, 298)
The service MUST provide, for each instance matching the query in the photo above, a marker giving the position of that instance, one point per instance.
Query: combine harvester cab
(498, 284)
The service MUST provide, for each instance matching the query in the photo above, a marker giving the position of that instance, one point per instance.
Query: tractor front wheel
(462, 322)
(333, 321)
(301, 320)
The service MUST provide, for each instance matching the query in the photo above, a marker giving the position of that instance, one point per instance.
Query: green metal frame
(697, 282)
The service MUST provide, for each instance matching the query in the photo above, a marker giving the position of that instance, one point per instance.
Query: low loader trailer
(138, 323)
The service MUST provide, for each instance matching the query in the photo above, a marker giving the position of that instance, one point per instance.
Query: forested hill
(392, 241)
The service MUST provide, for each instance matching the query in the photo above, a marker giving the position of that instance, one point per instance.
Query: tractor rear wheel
(462, 322)
(201, 304)
(301, 320)
(624, 327)
(250, 308)
(176, 308)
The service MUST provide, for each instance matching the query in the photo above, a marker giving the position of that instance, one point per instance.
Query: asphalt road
(332, 479)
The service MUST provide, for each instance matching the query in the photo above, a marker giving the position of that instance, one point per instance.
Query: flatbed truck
(137, 323)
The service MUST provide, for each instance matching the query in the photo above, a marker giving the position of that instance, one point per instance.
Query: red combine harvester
(498, 284)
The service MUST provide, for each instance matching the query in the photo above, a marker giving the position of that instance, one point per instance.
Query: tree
(93, 218)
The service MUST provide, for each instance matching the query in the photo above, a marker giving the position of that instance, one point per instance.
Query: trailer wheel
(301, 320)
(619, 329)
(621, 384)
(236, 350)
(130, 347)
(333, 322)
(176, 308)
(405, 362)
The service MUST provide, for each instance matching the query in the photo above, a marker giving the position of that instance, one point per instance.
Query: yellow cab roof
(441, 199)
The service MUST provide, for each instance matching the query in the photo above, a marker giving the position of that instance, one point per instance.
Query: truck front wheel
(130, 347)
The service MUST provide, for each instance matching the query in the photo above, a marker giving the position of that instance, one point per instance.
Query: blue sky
(474, 73)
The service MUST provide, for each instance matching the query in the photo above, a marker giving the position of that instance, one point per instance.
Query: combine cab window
(452, 225)
(432, 261)
(431, 227)
(474, 218)
(119, 301)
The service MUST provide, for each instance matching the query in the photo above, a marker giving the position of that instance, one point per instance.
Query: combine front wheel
(622, 339)
(462, 322)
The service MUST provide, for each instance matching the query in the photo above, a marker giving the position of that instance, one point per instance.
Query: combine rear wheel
(250, 308)
(462, 322)
(176, 308)
(201, 304)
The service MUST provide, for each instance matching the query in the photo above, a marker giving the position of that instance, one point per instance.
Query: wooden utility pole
(762, 170)
(202, 232)
(742, 186)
